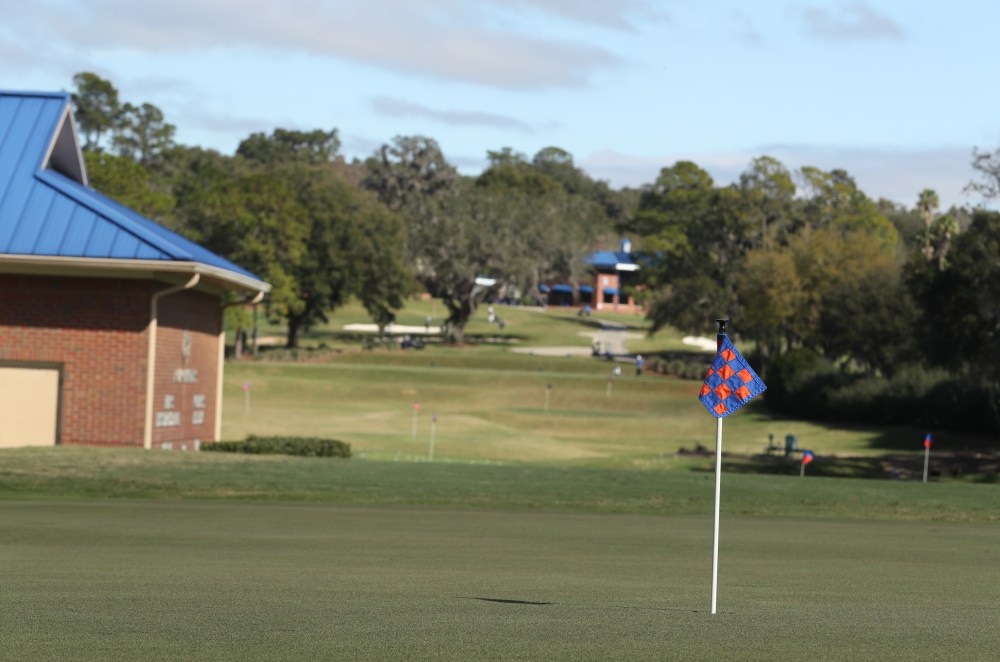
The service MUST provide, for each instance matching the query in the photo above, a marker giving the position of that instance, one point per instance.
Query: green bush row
(678, 364)
(301, 446)
(803, 383)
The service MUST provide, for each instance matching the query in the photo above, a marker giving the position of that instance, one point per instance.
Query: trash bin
(791, 444)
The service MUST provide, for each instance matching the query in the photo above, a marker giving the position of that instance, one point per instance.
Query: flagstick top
(722, 321)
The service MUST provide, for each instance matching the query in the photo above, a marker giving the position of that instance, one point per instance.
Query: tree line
(804, 262)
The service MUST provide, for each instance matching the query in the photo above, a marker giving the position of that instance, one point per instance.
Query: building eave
(112, 267)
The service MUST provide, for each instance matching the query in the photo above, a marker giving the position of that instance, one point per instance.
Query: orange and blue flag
(730, 382)
(807, 457)
(927, 440)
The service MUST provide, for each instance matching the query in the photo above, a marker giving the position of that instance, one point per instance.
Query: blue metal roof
(609, 259)
(46, 208)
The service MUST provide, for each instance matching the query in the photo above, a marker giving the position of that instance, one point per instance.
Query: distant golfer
(638, 364)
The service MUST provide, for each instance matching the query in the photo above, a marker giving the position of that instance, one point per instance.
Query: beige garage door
(29, 406)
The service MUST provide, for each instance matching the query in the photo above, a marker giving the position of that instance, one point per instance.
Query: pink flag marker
(927, 454)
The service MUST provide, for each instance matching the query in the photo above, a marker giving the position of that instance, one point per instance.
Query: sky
(896, 92)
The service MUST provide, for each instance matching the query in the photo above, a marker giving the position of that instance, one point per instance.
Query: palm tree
(927, 204)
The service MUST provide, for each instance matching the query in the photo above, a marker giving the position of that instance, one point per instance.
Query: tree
(142, 134)
(987, 164)
(834, 200)
(927, 204)
(768, 191)
(682, 195)
(409, 173)
(97, 108)
(692, 235)
(770, 297)
(907, 222)
(288, 215)
(352, 242)
(961, 302)
(514, 223)
(553, 227)
(249, 216)
(829, 259)
(960, 325)
(870, 320)
(287, 146)
(128, 183)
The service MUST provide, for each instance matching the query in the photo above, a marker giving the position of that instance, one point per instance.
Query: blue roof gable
(47, 209)
(611, 260)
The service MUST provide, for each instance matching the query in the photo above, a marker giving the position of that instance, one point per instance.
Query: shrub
(301, 446)
(803, 383)
(680, 364)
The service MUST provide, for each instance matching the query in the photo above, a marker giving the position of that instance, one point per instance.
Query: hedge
(301, 446)
(804, 384)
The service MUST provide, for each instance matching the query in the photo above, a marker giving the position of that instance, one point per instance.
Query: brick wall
(96, 329)
(187, 360)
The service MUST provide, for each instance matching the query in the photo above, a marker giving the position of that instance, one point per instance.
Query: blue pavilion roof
(47, 209)
(612, 260)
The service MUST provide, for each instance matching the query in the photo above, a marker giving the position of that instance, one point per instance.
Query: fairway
(557, 521)
(92, 580)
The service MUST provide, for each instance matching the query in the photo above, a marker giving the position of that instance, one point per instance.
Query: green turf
(61, 473)
(101, 580)
(490, 405)
(576, 533)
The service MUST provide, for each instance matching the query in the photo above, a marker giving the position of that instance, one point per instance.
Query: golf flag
(730, 382)
(807, 457)
(927, 454)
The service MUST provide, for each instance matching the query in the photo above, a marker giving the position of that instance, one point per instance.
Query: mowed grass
(98, 580)
(573, 533)
(491, 406)
(115, 554)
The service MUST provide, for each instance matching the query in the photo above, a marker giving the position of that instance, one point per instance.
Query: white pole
(718, 494)
(802, 470)
(430, 451)
(927, 459)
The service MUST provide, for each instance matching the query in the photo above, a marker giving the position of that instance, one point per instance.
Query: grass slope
(66, 473)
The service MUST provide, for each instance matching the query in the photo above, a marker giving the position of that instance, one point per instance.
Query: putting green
(220, 580)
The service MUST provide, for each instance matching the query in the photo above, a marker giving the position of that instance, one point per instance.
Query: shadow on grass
(902, 439)
(599, 324)
(533, 603)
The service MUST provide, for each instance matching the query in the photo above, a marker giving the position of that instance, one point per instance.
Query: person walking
(638, 364)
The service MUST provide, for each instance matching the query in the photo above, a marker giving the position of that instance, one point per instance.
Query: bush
(683, 365)
(297, 354)
(300, 446)
(803, 383)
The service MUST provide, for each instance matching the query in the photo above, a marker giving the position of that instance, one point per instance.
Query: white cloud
(853, 21)
(488, 42)
(391, 107)
(893, 173)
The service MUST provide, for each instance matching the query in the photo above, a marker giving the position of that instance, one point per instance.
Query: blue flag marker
(729, 384)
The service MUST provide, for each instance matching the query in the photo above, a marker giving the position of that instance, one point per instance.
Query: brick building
(610, 271)
(110, 324)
